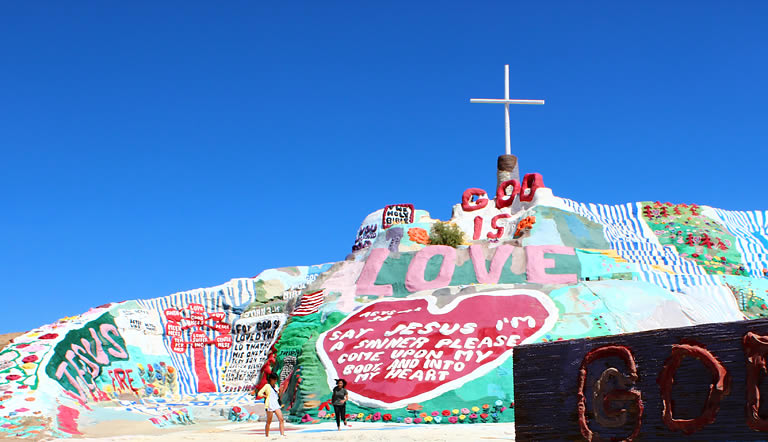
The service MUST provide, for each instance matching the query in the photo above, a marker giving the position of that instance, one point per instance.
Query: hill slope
(414, 327)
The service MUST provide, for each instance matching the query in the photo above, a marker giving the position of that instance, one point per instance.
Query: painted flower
(462, 417)
(475, 409)
(30, 358)
(473, 416)
(465, 410)
(360, 415)
(435, 413)
(13, 377)
(49, 336)
(498, 403)
(486, 406)
(369, 417)
(484, 417)
(438, 419)
(408, 420)
(417, 420)
(455, 411)
(236, 409)
(495, 417)
(386, 417)
(414, 407)
(376, 416)
(447, 412)
(428, 419)
(321, 413)
(418, 235)
(502, 409)
(453, 419)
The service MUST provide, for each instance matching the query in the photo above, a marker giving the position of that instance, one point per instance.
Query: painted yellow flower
(360, 415)
(462, 417)
(475, 409)
(428, 419)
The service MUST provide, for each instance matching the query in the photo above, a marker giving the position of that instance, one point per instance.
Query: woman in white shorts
(272, 403)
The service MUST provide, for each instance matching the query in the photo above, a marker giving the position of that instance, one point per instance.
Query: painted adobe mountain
(423, 332)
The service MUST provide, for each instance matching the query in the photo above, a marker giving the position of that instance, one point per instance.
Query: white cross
(506, 102)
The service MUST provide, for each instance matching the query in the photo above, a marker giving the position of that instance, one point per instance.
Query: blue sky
(154, 147)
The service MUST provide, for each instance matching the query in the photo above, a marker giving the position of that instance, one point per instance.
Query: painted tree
(186, 327)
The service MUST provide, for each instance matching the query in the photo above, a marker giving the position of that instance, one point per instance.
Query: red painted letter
(614, 418)
(531, 182)
(466, 199)
(719, 388)
(755, 348)
(501, 193)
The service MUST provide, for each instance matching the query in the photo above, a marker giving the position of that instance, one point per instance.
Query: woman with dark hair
(272, 403)
(339, 401)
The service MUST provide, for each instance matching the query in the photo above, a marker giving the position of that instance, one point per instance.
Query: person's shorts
(272, 410)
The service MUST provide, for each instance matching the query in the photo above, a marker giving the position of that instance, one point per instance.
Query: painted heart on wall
(399, 351)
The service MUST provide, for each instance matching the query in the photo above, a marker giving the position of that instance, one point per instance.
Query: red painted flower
(30, 358)
(13, 377)
(386, 417)
(48, 336)
(446, 412)
(236, 409)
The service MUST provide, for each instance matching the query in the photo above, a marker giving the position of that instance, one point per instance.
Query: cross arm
(504, 101)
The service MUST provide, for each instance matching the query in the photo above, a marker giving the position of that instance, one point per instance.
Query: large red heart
(397, 351)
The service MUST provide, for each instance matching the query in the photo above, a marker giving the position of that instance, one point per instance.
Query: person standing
(339, 400)
(272, 403)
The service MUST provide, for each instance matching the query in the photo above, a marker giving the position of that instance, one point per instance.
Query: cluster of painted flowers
(484, 413)
(475, 414)
(371, 417)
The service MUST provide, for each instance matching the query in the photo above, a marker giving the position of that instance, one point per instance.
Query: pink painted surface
(484, 276)
(365, 283)
(67, 418)
(537, 265)
(414, 279)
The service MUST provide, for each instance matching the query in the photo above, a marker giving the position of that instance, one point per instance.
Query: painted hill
(423, 332)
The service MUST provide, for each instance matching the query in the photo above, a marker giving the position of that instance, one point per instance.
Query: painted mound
(423, 332)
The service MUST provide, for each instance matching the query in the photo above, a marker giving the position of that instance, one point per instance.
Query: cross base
(507, 169)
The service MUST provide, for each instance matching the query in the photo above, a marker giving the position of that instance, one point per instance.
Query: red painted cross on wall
(186, 329)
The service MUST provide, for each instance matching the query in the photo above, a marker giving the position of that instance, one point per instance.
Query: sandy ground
(6, 338)
(360, 432)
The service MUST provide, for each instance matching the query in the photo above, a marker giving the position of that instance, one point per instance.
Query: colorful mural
(424, 333)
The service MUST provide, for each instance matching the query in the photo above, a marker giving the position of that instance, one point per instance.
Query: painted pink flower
(417, 420)
(453, 419)
(408, 420)
(435, 413)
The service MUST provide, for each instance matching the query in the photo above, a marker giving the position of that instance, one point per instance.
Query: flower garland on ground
(414, 415)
